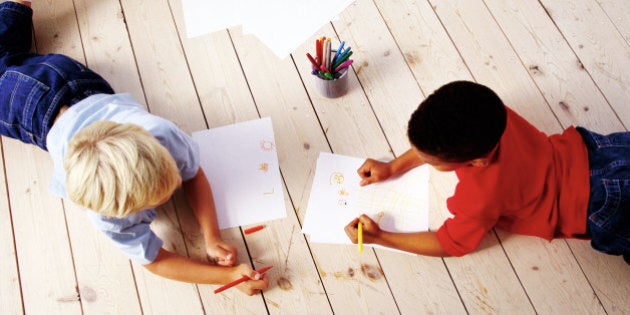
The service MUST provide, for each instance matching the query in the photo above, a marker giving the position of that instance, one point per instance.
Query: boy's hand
(257, 283)
(373, 171)
(371, 230)
(222, 253)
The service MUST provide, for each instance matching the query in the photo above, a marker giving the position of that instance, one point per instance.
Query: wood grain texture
(554, 62)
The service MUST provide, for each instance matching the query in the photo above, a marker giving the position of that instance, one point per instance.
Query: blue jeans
(33, 87)
(609, 205)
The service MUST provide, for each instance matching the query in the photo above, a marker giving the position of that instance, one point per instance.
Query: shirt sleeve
(461, 235)
(131, 234)
(180, 145)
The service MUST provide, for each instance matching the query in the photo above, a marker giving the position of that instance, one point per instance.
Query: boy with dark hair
(511, 176)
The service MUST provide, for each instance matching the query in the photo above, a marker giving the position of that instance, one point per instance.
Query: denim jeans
(609, 205)
(34, 87)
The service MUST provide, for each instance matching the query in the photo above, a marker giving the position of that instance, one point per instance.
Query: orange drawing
(264, 167)
(266, 145)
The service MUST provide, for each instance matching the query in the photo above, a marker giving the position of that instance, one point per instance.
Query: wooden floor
(555, 62)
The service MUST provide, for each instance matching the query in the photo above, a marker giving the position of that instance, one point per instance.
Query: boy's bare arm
(173, 266)
(373, 171)
(405, 162)
(199, 195)
(422, 243)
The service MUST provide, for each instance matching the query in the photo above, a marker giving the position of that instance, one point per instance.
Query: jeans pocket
(19, 96)
(614, 214)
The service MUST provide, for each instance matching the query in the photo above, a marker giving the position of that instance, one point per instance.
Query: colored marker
(254, 229)
(312, 60)
(240, 280)
(344, 65)
(342, 59)
(328, 54)
(323, 68)
(320, 46)
(338, 52)
(360, 237)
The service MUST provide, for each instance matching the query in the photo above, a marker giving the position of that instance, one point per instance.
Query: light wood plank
(580, 58)
(10, 289)
(601, 50)
(570, 91)
(40, 233)
(428, 50)
(617, 11)
(607, 275)
(278, 93)
(107, 45)
(383, 79)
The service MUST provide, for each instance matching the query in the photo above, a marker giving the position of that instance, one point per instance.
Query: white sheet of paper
(399, 204)
(241, 164)
(203, 17)
(282, 25)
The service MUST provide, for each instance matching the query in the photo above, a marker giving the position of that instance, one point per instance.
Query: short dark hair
(459, 122)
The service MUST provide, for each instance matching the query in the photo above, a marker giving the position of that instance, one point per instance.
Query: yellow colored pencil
(360, 237)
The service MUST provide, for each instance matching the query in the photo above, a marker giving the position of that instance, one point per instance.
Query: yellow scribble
(336, 178)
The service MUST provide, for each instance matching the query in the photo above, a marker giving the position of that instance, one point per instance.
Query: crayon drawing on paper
(241, 164)
(400, 204)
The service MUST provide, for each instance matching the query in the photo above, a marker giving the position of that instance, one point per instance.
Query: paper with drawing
(400, 204)
(241, 164)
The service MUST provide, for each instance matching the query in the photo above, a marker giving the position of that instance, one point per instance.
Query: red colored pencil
(240, 280)
(254, 229)
(312, 60)
(317, 53)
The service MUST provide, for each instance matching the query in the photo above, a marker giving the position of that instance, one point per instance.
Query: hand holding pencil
(362, 230)
(250, 281)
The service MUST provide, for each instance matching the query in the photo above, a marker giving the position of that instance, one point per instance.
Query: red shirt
(537, 185)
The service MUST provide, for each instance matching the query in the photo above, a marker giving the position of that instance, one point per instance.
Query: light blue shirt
(132, 234)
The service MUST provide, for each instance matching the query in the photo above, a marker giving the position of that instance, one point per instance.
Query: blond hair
(117, 169)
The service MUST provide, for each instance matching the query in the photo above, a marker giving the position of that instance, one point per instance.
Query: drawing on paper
(391, 207)
(266, 145)
(336, 198)
(244, 173)
(336, 178)
(264, 167)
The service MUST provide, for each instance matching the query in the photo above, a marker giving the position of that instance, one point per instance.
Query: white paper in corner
(400, 204)
(241, 164)
(282, 25)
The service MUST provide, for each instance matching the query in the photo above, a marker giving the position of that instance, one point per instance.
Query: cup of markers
(330, 67)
